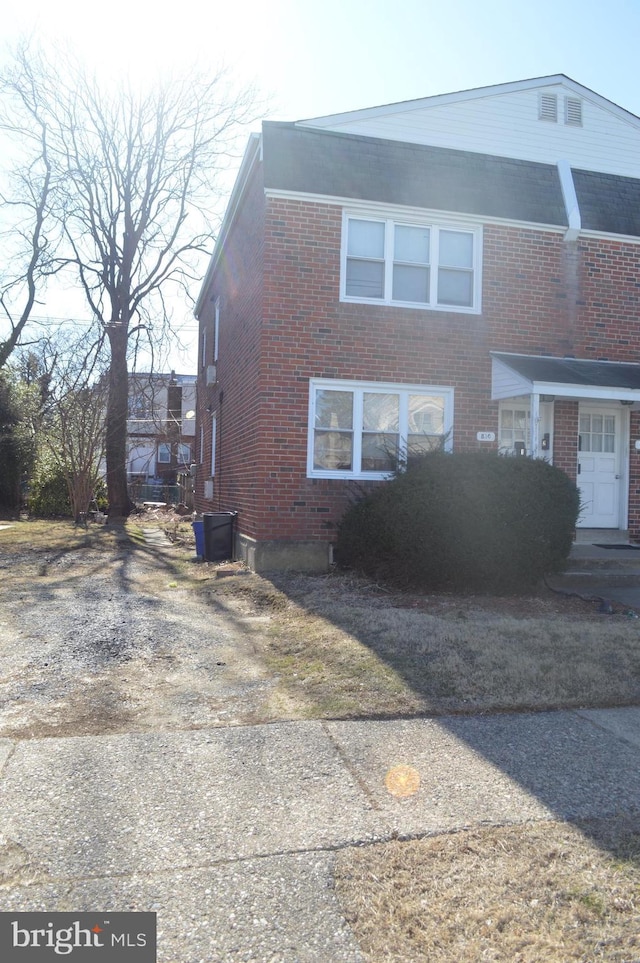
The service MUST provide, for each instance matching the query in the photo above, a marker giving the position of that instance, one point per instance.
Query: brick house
(160, 433)
(460, 270)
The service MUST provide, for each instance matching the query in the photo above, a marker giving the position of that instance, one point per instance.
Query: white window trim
(216, 329)
(360, 387)
(435, 225)
(214, 426)
(203, 359)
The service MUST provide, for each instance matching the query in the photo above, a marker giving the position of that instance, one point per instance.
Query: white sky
(315, 57)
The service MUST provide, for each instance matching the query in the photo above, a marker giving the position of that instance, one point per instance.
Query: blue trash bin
(198, 531)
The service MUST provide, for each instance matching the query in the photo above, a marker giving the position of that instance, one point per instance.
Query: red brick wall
(235, 399)
(540, 296)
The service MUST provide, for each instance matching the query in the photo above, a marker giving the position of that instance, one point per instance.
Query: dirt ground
(112, 638)
(124, 631)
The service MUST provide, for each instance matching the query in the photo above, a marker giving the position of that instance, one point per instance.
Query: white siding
(507, 124)
(506, 383)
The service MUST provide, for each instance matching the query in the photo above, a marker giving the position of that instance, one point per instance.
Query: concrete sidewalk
(230, 834)
(603, 566)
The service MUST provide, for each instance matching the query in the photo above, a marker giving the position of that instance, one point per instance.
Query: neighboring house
(460, 270)
(160, 432)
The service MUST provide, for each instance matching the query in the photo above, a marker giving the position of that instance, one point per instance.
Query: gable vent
(548, 107)
(573, 111)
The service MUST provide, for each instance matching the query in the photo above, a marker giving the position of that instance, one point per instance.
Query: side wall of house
(233, 402)
(541, 295)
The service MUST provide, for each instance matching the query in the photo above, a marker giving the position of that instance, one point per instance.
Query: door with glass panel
(599, 467)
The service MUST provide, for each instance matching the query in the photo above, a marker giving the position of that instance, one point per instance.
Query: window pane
(334, 409)
(164, 454)
(455, 287)
(585, 423)
(426, 415)
(411, 244)
(420, 444)
(456, 249)
(333, 450)
(366, 239)
(381, 412)
(410, 283)
(596, 423)
(379, 452)
(609, 424)
(365, 279)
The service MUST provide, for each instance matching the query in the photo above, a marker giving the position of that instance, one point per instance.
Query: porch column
(535, 425)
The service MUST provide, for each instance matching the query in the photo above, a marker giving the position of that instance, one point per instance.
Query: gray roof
(313, 161)
(572, 371)
(608, 202)
(393, 172)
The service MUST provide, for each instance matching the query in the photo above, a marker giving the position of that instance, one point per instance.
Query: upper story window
(419, 265)
(164, 454)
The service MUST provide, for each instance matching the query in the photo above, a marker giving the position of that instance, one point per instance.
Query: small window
(548, 107)
(203, 358)
(184, 454)
(573, 111)
(515, 429)
(164, 454)
(214, 426)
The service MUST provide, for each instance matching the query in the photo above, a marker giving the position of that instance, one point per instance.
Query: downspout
(570, 199)
(219, 443)
(535, 424)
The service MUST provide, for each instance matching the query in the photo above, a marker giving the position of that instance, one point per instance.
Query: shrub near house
(465, 521)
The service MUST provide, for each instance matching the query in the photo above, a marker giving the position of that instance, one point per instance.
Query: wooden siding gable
(510, 120)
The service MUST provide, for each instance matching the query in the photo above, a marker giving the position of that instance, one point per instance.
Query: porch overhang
(517, 375)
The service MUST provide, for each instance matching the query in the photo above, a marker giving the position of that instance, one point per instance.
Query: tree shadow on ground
(563, 763)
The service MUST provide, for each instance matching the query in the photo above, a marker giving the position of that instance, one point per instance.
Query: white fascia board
(586, 392)
(601, 235)
(386, 210)
(355, 204)
(253, 150)
(439, 100)
(521, 387)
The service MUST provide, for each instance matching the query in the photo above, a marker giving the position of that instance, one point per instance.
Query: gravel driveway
(114, 640)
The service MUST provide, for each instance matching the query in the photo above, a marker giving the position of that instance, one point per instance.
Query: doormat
(633, 548)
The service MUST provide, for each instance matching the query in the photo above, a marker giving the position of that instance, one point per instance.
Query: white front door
(599, 467)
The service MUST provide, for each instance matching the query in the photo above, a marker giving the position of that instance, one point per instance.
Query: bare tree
(24, 202)
(65, 374)
(131, 176)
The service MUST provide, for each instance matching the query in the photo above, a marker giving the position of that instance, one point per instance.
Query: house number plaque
(486, 436)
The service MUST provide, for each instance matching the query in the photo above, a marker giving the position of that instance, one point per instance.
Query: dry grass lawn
(343, 647)
(542, 893)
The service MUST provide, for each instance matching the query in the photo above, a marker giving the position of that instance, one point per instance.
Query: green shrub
(469, 521)
(49, 496)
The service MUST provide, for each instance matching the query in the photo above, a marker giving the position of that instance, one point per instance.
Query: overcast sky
(314, 58)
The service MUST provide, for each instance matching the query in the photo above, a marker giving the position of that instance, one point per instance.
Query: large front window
(422, 265)
(359, 430)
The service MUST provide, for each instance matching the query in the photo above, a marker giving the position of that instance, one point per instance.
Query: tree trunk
(120, 505)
